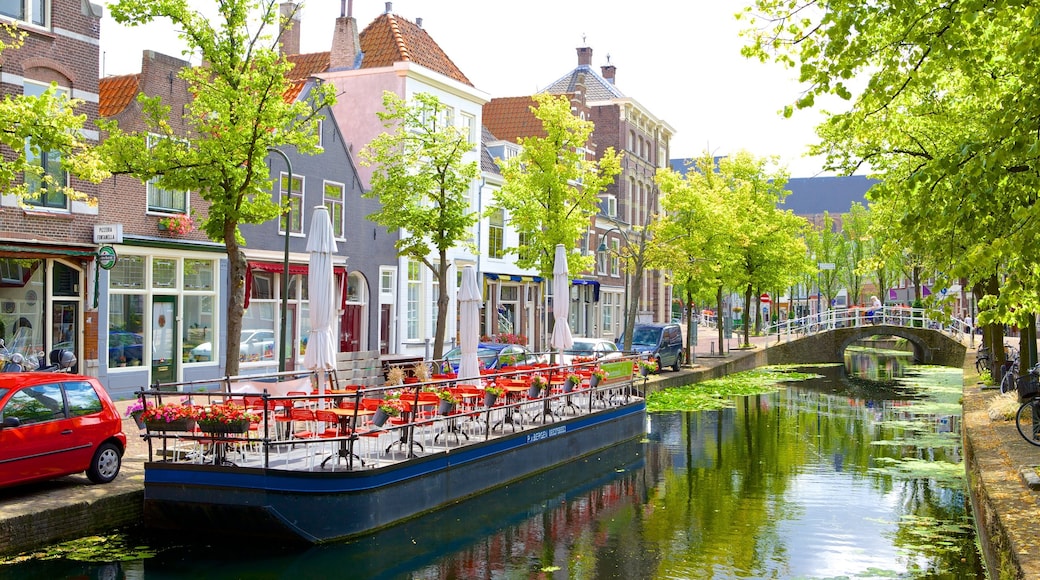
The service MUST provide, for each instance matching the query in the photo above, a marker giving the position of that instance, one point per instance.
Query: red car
(56, 424)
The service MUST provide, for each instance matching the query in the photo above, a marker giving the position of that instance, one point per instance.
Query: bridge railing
(856, 316)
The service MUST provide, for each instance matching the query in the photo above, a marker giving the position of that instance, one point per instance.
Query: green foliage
(237, 113)
(552, 188)
(422, 180)
(47, 122)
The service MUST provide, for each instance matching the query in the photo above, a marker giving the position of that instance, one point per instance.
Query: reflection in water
(821, 480)
(876, 364)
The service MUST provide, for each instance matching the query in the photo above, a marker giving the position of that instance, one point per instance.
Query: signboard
(826, 265)
(108, 234)
(106, 257)
(616, 371)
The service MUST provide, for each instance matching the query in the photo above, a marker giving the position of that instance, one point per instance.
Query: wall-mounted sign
(108, 234)
(106, 257)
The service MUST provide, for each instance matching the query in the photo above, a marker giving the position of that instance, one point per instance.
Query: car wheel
(678, 362)
(658, 361)
(104, 467)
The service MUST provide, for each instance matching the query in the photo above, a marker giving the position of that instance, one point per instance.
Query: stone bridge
(931, 347)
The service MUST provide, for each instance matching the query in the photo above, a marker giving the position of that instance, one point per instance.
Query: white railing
(853, 317)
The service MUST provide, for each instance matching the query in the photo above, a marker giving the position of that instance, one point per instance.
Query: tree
(697, 232)
(421, 178)
(552, 188)
(236, 114)
(46, 123)
(855, 237)
(824, 246)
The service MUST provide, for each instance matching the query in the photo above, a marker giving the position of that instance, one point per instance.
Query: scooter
(61, 361)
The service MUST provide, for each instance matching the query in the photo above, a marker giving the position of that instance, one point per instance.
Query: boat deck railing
(286, 432)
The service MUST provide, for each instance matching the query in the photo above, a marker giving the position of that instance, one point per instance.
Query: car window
(83, 399)
(646, 335)
(35, 404)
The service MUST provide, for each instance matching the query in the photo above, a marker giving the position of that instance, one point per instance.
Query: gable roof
(597, 88)
(510, 118)
(487, 162)
(835, 195)
(116, 93)
(390, 38)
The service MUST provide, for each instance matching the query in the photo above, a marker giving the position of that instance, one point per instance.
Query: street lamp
(603, 249)
(285, 263)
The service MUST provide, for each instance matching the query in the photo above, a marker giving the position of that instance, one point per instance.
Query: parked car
(256, 344)
(56, 424)
(661, 342)
(595, 348)
(494, 355)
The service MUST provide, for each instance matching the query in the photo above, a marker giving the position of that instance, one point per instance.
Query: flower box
(220, 427)
(174, 425)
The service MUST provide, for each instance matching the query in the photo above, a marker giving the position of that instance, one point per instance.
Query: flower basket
(220, 427)
(596, 377)
(490, 399)
(538, 384)
(380, 418)
(137, 418)
(571, 383)
(446, 407)
(174, 425)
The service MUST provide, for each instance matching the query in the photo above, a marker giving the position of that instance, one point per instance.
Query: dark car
(55, 424)
(662, 342)
(495, 355)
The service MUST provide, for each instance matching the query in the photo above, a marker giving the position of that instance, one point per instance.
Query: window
(334, 201)
(45, 189)
(83, 400)
(607, 309)
(469, 125)
(164, 273)
(295, 201)
(610, 206)
(615, 257)
(36, 404)
(386, 282)
(164, 200)
(413, 305)
(496, 234)
(320, 128)
(33, 11)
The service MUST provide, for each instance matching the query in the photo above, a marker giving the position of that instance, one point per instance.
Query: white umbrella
(561, 333)
(469, 325)
(321, 341)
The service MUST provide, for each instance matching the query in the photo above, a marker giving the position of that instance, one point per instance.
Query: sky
(680, 60)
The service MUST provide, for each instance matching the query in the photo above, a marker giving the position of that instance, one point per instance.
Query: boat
(271, 485)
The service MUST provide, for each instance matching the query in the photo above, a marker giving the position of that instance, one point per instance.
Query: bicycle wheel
(1007, 384)
(981, 364)
(1027, 421)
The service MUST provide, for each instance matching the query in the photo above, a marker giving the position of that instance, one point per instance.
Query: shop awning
(294, 269)
(512, 277)
(593, 283)
(44, 251)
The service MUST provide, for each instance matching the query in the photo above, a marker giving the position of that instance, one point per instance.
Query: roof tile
(510, 118)
(115, 93)
(390, 38)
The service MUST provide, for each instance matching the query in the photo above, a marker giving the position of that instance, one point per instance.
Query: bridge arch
(828, 346)
(921, 347)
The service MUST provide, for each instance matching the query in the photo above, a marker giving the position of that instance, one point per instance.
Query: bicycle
(1009, 376)
(1027, 419)
(982, 359)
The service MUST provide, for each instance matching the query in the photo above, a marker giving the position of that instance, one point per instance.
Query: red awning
(299, 269)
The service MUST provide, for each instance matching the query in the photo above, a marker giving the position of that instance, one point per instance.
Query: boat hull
(316, 507)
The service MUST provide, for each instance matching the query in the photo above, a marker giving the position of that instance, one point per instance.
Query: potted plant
(136, 410)
(395, 376)
(225, 418)
(538, 384)
(572, 382)
(448, 401)
(646, 367)
(390, 407)
(596, 377)
(179, 224)
(169, 417)
(491, 394)
(421, 371)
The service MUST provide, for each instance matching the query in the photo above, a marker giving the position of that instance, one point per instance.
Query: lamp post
(602, 249)
(285, 264)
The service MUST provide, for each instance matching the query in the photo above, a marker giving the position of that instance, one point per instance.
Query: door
(384, 329)
(164, 339)
(350, 328)
(65, 329)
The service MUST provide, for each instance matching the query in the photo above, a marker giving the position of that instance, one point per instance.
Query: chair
(333, 427)
(305, 425)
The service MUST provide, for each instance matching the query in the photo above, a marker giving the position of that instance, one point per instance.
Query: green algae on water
(718, 393)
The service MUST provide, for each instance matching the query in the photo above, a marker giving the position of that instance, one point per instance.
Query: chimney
(389, 7)
(584, 56)
(289, 28)
(608, 71)
(418, 22)
(345, 44)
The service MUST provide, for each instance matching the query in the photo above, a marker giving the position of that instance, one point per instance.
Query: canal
(825, 478)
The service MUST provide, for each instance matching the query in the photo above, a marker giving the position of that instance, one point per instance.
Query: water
(826, 479)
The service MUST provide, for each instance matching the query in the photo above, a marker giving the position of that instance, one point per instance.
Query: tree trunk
(690, 332)
(237, 266)
(634, 293)
(720, 322)
(747, 314)
(442, 305)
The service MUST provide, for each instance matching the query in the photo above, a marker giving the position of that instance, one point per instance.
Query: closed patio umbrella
(561, 284)
(469, 325)
(321, 341)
